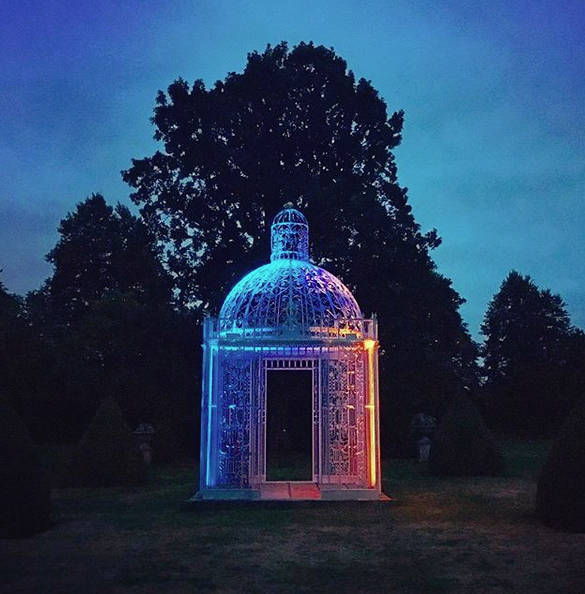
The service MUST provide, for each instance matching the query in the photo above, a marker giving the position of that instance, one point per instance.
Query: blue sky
(493, 93)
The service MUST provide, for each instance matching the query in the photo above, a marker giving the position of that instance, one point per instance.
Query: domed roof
(290, 292)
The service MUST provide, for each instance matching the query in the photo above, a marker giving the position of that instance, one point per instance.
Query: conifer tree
(101, 250)
(104, 323)
(531, 357)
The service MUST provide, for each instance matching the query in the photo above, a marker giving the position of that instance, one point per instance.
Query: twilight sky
(493, 93)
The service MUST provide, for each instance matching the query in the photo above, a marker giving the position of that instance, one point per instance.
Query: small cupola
(289, 235)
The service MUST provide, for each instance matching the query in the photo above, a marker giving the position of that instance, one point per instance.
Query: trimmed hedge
(560, 494)
(108, 454)
(25, 491)
(463, 445)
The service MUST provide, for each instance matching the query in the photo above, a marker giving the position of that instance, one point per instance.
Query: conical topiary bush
(107, 454)
(560, 494)
(25, 492)
(463, 445)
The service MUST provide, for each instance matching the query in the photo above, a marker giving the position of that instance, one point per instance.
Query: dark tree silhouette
(531, 357)
(103, 249)
(296, 126)
(104, 324)
(10, 328)
(21, 356)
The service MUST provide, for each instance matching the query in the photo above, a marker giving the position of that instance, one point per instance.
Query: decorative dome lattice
(290, 292)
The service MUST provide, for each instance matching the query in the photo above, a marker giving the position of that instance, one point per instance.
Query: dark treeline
(103, 324)
(120, 315)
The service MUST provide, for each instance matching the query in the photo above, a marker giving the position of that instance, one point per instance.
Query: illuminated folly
(290, 359)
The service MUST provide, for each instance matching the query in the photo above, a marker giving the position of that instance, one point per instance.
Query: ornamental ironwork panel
(343, 412)
(234, 421)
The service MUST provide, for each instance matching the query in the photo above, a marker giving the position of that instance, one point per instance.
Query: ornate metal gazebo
(290, 315)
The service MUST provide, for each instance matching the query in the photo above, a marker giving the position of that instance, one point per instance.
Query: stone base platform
(293, 491)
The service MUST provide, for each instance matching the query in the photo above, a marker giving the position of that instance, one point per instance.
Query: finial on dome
(290, 235)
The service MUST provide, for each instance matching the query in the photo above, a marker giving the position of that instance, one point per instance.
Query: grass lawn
(472, 535)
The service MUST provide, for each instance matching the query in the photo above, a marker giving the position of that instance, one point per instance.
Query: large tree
(104, 325)
(296, 126)
(531, 357)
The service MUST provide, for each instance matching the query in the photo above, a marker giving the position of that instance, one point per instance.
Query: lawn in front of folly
(455, 535)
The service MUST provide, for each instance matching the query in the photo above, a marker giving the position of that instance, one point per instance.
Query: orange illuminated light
(369, 345)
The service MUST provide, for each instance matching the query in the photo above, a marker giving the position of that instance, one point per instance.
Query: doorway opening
(289, 425)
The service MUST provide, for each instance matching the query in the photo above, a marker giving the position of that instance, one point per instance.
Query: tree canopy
(296, 126)
(104, 249)
(530, 354)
